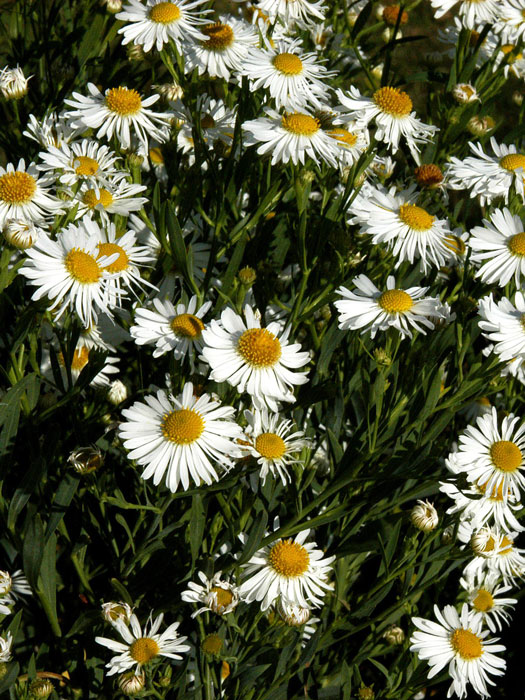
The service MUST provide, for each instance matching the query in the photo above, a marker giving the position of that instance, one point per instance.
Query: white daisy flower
(373, 310)
(81, 161)
(457, 640)
(254, 359)
(502, 325)
(52, 130)
(483, 592)
(24, 196)
(119, 111)
(12, 586)
(488, 177)
(80, 359)
(472, 12)
(410, 231)
(142, 647)
(510, 22)
(71, 272)
(116, 198)
(494, 456)
(5, 647)
(269, 441)
(156, 22)
(217, 122)
(499, 247)
(391, 110)
(292, 136)
(507, 55)
(351, 138)
(304, 13)
(294, 79)
(171, 328)
(288, 568)
(180, 437)
(215, 594)
(495, 552)
(223, 51)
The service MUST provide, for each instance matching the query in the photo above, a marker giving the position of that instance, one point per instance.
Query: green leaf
(196, 526)
(33, 549)
(255, 537)
(61, 502)
(48, 582)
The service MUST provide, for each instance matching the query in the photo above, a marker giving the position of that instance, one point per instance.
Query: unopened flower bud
(135, 52)
(165, 680)
(382, 358)
(212, 644)
(247, 276)
(170, 91)
(377, 71)
(131, 683)
(517, 98)
(391, 13)
(424, 516)
(394, 635)
(40, 688)
(465, 92)
(293, 615)
(480, 125)
(135, 160)
(482, 542)
(428, 175)
(378, 10)
(366, 693)
(13, 83)
(86, 459)
(20, 234)
(111, 612)
(113, 6)
(117, 392)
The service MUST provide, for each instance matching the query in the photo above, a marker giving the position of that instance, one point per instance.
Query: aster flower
(140, 647)
(304, 13)
(52, 130)
(373, 310)
(214, 594)
(5, 647)
(119, 111)
(180, 438)
(499, 246)
(510, 22)
(117, 197)
(254, 359)
(457, 640)
(13, 83)
(483, 591)
(156, 22)
(472, 12)
(24, 195)
(495, 553)
(81, 161)
(502, 324)
(290, 569)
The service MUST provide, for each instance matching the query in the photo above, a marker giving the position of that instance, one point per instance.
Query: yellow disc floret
(300, 124)
(183, 426)
(270, 446)
(345, 137)
(143, 650)
(506, 456)
(288, 63)
(84, 165)
(220, 36)
(222, 596)
(91, 200)
(17, 187)
(417, 218)
(79, 361)
(288, 558)
(123, 101)
(187, 326)
(164, 13)
(259, 347)
(82, 266)
(393, 101)
(516, 244)
(121, 263)
(395, 301)
(512, 161)
(466, 644)
(483, 600)
(507, 49)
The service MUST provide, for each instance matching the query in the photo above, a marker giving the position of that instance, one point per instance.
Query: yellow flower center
(82, 266)
(143, 650)
(85, 166)
(156, 156)
(393, 101)
(301, 124)
(212, 644)
(17, 188)
(220, 36)
(483, 600)
(417, 218)
(506, 456)
(183, 426)
(455, 244)
(164, 13)
(508, 48)
(259, 347)
(270, 446)
(344, 136)
(222, 596)
(79, 361)
(513, 161)
(123, 101)
(428, 175)
(505, 546)
(288, 63)
(466, 644)
(207, 122)
(483, 401)
(90, 198)
(516, 244)
(121, 263)
(395, 301)
(187, 326)
(288, 558)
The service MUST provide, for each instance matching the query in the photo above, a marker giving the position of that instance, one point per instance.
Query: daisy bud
(424, 516)
(366, 693)
(480, 125)
(377, 71)
(135, 160)
(86, 459)
(394, 635)
(117, 392)
(247, 276)
(170, 91)
(391, 13)
(41, 688)
(20, 234)
(131, 683)
(465, 92)
(482, 542)
(517, 98)
(111, 612)
(212, 645)
(13, 83)
(382, 358)
(113, 6)
(293, 615)
(428, 175)
(165, 680)
(135, 52)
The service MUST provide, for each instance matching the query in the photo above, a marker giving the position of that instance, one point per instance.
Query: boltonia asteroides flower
(254, 359)
(459, 642)
(304, 13)
(119, 111)
(371, 310)
(140, 647)
(499, 246)
(289, 568)
(118, 197)
(179, 438)
(503, 324)
(472, 12)
(495, 552)
(81, 161)
(483, 597)
(214, 594)
(24, 196)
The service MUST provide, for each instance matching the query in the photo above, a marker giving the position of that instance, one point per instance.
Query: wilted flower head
(86, 459)
(394, 635)
(111, 612)
(424, 516)
(212, 644)
(465, 92)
